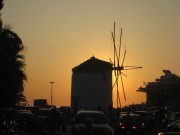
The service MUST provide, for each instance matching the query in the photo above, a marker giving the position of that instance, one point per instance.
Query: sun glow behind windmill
(118, 66)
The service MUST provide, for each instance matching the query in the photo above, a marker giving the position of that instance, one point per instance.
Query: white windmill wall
(89, 90)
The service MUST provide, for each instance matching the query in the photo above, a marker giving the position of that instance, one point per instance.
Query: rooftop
(93, 65)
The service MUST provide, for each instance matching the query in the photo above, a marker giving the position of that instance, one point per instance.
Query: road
(69, 132)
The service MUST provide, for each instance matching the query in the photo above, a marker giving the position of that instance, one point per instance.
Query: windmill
(118, 66)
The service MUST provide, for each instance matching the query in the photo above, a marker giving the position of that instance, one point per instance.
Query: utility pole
(51, 92)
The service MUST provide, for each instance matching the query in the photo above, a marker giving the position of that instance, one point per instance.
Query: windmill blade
(119, 100)
(113, 37)
(114, 83)
(117, 76)
(120, 72)
(123, 58)
(111, 62)
(115, 50)
(131, 67)
(116, 72)
(123, 74)
(116, 56)
(118, 97)
(117, 92)
(123, 88)
(117, 84)
(120, 47)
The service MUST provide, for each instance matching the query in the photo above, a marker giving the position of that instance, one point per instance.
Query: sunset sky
(61, 34)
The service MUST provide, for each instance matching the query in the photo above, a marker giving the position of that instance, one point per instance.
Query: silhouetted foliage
(12, 76)
(1, 4)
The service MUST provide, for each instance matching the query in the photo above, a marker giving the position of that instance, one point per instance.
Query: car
(87, 121)
(48, 120)
(172, 129)
(25, 120)
(42, 119)
(170, 117)
(173, 116)
(129, 123)
(148, 118)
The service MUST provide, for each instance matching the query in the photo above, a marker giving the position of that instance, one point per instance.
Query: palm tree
(12, 64)
(1, 4)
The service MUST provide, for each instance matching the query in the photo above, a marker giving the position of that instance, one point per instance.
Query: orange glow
(61, 34)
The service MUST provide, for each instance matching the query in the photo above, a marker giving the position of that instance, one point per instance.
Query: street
(69, 132)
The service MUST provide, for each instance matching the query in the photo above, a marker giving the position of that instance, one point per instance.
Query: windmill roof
(93, 65)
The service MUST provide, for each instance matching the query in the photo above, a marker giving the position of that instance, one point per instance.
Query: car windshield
(97, 118)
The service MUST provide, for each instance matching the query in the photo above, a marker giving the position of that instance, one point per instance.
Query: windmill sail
(119, 67)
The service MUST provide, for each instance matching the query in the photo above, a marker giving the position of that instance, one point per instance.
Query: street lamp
(51, 91)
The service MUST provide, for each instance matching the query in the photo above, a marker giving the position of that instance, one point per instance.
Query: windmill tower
(91, 85)
(118, 65)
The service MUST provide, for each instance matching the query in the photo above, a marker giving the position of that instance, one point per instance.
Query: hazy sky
(61, 34)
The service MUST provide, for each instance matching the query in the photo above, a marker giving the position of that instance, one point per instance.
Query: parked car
(91, 121)
(24, 120)
(48, 120)
(148, 118)
(172, 129)
(42, 119)
(129, 123)
(173, 116)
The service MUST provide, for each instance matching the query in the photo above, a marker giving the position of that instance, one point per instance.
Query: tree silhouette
(1, 4)
(12, 64)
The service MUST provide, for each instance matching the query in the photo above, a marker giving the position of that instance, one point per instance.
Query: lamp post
(51, 92)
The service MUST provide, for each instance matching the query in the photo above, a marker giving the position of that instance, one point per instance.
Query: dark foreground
(51, 121)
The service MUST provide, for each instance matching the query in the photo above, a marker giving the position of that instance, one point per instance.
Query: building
(40, 103)
(165, 91)
(91, 85)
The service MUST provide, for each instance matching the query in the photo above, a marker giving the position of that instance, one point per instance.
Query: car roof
(45, 109)
(90, 111)
(143, 112)
(131, 114)
(23, 111)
